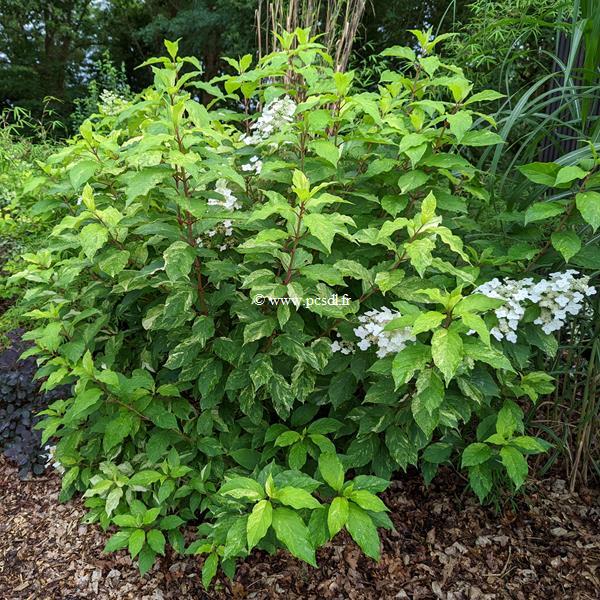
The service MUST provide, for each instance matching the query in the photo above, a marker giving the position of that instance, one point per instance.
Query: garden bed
(444, 547)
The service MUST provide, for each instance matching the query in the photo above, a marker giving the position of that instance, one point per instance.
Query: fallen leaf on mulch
(445, 547)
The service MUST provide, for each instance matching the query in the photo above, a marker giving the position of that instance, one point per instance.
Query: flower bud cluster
(371, 332)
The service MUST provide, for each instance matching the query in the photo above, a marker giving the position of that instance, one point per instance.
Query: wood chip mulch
(445, 547)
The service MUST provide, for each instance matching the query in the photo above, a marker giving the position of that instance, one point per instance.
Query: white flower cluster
(514, 294)
(255, 165)
(229, 202)
(371, 332)
(111, 103)
(51, 460)
(342, 346)
(558, 296)
(275, 115)
(225, 228)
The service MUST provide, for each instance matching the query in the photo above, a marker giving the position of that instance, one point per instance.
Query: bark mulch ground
(445, 547)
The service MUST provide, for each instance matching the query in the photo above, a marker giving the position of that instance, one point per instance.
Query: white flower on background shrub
(371, 332)
(515, 294)
(52, 461)
(254, 166)
(228, 227)
(111, 103)
(560, 295)
(229, 202)
(276, 114)
(342, 346)
(225, 228)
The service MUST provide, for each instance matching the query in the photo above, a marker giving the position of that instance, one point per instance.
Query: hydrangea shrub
(266, 306)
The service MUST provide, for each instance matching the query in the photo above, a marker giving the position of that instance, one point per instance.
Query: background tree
(133, 30)
(43, 45)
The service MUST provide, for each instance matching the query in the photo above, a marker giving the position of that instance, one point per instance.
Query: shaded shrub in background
(20, 229)
(107, 86)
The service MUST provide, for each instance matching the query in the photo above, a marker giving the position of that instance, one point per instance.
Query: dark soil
(445, 546)
(6, 303)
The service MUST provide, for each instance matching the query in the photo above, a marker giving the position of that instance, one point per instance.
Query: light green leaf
(568, 243)
(287, 438)
(480, 480)
(114, 262)
(136, 541)
(156, 541)
(117, 542)
(543, 210)
(408, 361)
(539, 172)
(242, 487)
(515, 464)
(481, 138)
(259, 522)
(293, 534)
(331, 470)
(387, 281)
(477, 324)
(568, 174)
(118, 429)
(325, 227)
(507, 421)
(81, 172)
(297, 498)
(327, 150)
(530, 444)
(145, 478)
(427, 321)
(337, 515)
(430, 391)
(259, 329)
(447, 352)
(179, 258)
(419, 253)
(476, 303)
(363, 531)
(172, 47)
(113, 499)
(400, 52)
(412, 180)
(484, 96)
(209, 569)
(368, 501)
(83, 401)
(476, 454)
(92, 237)
(588, 204)
(460, 123)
